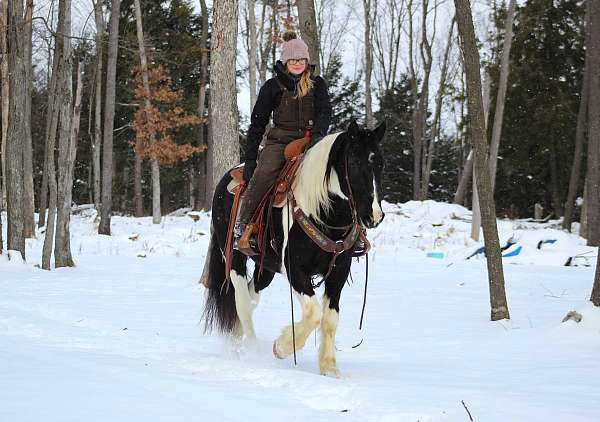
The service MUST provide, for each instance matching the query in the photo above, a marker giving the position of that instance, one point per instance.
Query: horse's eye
(372, 158)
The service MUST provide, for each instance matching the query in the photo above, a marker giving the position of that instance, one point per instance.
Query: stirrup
(247, 243)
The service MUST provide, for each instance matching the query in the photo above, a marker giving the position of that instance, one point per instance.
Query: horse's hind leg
(244, 302)
(311, 317)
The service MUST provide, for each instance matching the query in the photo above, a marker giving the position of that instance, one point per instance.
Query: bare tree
(18, 88)
(439, 98)
(5, 93)
(370, 14)
(595, 297)
(252, 50)
(501, 97)
(109, 117)
(331, 27)
(28, 195)
(308, 28)
(223, 108)
(387, 37)
(593, 162)
(62, 249)
(499, 306)
(420, 99)
(156, 213)
(201, 200)
(97, 143)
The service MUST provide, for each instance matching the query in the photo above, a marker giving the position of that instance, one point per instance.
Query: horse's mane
(316, 179)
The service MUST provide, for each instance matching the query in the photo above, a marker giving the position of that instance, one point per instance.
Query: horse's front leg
(329, 322)
(295, 338)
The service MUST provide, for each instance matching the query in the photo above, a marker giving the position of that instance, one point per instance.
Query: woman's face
(296, 66)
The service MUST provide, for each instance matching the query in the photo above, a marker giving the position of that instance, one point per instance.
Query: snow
(118, 337)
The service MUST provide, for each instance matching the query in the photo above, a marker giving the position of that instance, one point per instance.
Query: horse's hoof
(278, 354)
(331, 372)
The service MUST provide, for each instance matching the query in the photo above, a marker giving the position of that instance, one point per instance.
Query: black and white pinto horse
(340, 170)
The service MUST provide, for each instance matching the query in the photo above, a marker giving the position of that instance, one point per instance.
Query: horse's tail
(219, 309)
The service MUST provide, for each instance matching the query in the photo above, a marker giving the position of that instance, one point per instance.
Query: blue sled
(514, 252)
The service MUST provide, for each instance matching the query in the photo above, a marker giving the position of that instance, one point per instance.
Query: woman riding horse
(299, 102)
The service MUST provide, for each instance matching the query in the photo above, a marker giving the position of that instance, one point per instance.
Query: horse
(338, 183)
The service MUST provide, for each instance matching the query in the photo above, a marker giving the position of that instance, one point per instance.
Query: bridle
(352, 231)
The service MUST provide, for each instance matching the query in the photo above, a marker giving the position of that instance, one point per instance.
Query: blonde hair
(305, 84)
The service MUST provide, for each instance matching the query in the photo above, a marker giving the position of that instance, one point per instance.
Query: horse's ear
(353, 130)
(379, 131)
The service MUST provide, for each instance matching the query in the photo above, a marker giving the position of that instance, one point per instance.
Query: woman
(298, 101)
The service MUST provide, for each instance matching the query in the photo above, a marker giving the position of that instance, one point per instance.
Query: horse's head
(360, 173)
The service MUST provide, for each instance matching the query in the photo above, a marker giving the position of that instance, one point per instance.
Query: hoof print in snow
(141, 255)
(574, 316)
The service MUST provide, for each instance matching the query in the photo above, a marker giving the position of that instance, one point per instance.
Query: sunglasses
(297, 61)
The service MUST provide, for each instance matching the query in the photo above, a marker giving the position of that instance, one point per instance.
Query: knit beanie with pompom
(293, 48)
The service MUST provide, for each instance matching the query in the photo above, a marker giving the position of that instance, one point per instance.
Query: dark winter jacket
(269, 99)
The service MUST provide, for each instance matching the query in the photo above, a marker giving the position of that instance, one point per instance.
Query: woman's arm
(322, 110)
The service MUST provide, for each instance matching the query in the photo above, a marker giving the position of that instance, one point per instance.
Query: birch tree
(499, 306)
(109, 116)
(223, 140)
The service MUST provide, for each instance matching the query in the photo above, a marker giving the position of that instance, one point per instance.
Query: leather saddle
(275, 197)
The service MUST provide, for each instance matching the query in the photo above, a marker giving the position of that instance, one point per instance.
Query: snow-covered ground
(118, 338)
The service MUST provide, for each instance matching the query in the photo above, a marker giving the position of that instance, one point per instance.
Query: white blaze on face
(377, 212)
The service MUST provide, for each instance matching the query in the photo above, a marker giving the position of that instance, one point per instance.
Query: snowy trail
(118, 339)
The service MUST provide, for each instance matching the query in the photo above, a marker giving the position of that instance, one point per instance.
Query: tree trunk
(476, 216)
(62, 241)
(583, 226)
(5, 95)
(369, 14)
(28, 195)
(437, 116)
(593, 55)
(307, 22)
(224, 129)
(97, 144)
(109, 117)
(156, 214)
(500, 98)
(595, 297)
(465, 178)
(578, 154)
(51, 125)
(17, 118)
(202, 201)
(252, 50)
(499, 306)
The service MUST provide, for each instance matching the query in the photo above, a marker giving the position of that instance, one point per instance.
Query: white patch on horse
(329, 323)
(310, 188)
(377, 212)
(311, 317)
(244, 305)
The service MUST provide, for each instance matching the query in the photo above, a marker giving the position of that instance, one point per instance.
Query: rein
(337, 247)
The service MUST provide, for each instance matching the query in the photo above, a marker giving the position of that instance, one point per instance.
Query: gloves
(313, 140)
(249, 168)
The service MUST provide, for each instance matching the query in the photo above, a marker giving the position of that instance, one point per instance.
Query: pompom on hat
(293, 48)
